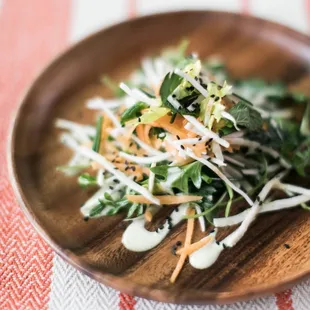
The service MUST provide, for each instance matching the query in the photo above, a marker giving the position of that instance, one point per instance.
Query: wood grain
(258, 265)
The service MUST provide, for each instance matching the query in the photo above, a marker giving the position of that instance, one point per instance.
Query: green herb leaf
(189, 172)
(301, 160)
(97, 209)
(133, 112)
(132, 210)
(96, 143)
(230, 200)
(160, 171)
(169, 84)
(86, 180)
(246, 116)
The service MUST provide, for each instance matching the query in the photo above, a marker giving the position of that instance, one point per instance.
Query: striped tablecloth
(31, 33)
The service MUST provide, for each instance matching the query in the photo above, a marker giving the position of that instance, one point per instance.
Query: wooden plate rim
(108, 279)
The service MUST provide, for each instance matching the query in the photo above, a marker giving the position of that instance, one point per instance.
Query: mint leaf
(246, 116)
(133, 112)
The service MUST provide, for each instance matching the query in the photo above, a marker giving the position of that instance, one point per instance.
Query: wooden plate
(259, 265)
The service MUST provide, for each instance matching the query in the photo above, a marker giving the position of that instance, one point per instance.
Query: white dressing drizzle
(138, 239)
(207, 255)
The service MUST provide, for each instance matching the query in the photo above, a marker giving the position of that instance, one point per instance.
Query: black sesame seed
(200, 139)
(178, 137)
(139, 119)
(224, 245)
(133, 168)
(212, 231)
(113, 161)
(179, 243)
(217, 242)
(182, 147)
(144, 155)
(86, 218)
(131, 144)
(196, 78)
(127, 168)
(176, 209)
(135, 178)
(126, 162)
(216, 98)
(287, 246)
(174, 96)
(116, 181)
(212, 96)
(173, 250)
(161, 227)
(258, 199)
(194, 144)
(111, 188)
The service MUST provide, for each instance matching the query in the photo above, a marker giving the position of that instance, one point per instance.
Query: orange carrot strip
(147, 139)
(164, 200)
(195, 246)
(187, 242)
(140, 132)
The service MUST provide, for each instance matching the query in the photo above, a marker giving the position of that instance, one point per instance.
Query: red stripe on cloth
(284, 300)
(245, 6)
(132, 8)
(307, 9)
(30, 34)
(126, 302)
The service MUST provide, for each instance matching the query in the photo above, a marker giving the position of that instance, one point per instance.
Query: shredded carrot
(148, 215)
(176, 128)
(140, 132)
(195, 246)
(165, 200)
(104, 128)
(147, 139)
(187, 242)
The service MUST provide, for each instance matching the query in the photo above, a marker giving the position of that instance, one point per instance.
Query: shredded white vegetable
(201, 219)
(145, 160)
(254, 145)
(145, 146)
(275, 205)
(137, 95)
(234, 161)
(192, 81)
(230, 118)
(205, 131)
(234, 237)
(151, 179)
(175, 103)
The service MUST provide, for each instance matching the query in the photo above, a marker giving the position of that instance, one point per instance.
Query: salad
(182, 134)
